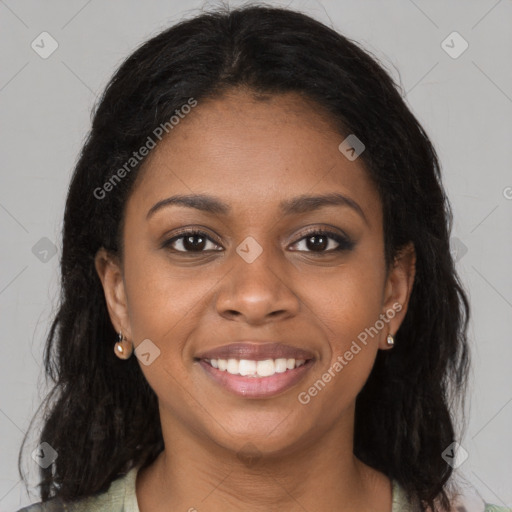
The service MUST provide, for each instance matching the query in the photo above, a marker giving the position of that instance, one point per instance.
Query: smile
(256, 379)
(252, 368)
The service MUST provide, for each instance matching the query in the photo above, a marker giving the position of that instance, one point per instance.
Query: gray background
(465, 104)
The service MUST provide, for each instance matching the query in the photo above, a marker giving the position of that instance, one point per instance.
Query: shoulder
(114, 499)
(462, 503)
(401, 501)
(52, 505)
(466, 498)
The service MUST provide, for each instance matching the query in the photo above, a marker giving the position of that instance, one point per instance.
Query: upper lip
(256, 351)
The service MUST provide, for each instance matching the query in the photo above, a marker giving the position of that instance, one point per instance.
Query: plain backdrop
(464, 101)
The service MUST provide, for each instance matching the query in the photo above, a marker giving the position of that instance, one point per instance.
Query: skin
(252, 153)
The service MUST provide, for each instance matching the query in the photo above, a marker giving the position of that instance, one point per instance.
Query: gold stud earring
(123, 348)
(390, 340)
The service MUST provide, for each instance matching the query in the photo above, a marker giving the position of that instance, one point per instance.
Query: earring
(390, 340)
(123, 348)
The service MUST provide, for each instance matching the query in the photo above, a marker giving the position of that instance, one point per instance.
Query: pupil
(189, 245)
(322, 244)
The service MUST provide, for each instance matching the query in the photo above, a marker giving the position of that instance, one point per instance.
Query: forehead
(253, 151)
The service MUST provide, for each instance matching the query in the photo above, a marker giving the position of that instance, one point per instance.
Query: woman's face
(262, 176)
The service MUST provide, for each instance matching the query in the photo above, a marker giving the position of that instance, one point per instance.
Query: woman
(259, 306)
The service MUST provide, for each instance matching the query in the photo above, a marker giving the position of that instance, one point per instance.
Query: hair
(101, 415)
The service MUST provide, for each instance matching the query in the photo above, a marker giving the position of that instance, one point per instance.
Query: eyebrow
(297, 205)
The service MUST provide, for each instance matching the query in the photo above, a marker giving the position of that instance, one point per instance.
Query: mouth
(256, 370)
(253, 368)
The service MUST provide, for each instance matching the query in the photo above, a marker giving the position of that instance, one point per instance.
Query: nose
(258, 292)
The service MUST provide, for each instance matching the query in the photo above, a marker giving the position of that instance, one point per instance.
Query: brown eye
(323, 242)
(194, 242)
(317, 242)
(191, 241)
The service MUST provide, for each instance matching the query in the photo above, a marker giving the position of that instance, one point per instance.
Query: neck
(320, 474)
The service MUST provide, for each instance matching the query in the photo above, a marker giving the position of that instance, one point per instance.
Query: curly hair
(405, 413)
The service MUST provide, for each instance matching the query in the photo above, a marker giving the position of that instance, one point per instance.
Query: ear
(110, 273)
(397, 291)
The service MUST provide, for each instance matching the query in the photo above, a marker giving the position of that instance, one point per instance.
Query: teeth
(250, 368)
(280, 365)
(266, 368)
(246, 367)
(233, 366)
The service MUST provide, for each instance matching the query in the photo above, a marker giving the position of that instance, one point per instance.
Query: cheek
(345, 309)
(346, 305)
(161, 299)
(162, 307)
(165, 305)
(347, 301)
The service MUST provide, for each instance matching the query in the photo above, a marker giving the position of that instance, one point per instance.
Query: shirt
(121, 497)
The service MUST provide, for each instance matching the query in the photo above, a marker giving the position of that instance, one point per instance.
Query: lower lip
(257, 387)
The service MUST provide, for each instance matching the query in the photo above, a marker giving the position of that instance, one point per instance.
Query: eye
(316, 241)
(323, 241)
(191, 241)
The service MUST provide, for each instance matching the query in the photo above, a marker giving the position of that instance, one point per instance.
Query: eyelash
(344, 243)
